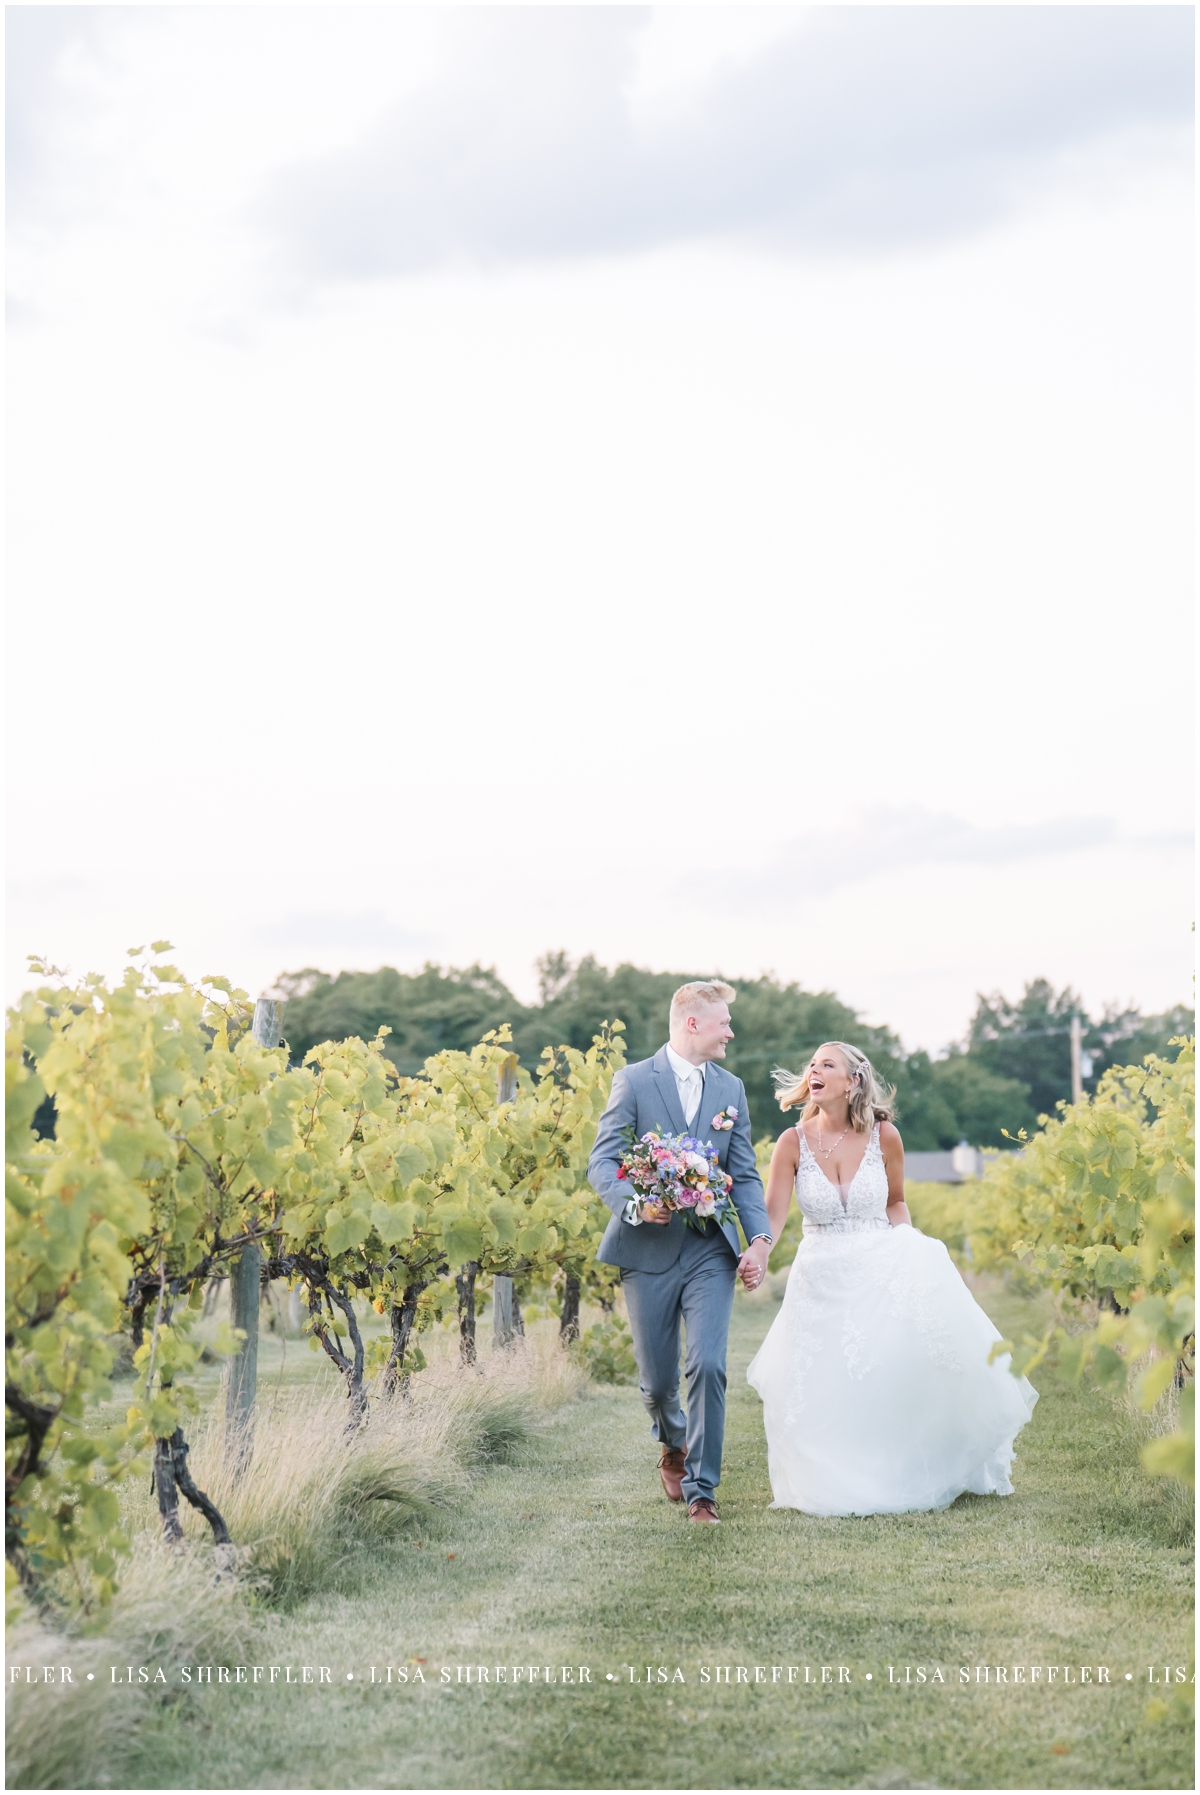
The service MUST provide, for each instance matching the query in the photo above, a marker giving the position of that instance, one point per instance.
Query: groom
(670, 1270)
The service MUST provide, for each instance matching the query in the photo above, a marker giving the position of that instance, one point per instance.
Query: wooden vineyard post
(506, 1310)
(507, 1082)
(568, 1327)
(464, 1283)
(502, 1284)
(245, 1292)
(502, 1299)
(267, 1027)
(1076, 1059)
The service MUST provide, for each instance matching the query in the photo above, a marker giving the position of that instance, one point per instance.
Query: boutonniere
(724, 1120)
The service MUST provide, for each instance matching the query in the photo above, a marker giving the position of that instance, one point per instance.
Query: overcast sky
(703, 487)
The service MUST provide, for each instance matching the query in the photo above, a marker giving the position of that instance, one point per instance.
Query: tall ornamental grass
(310, 1512)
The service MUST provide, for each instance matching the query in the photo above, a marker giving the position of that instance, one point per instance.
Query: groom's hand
(655, 1212)
(752, 1266)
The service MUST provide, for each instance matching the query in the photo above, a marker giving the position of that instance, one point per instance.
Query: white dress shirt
(689, 1082)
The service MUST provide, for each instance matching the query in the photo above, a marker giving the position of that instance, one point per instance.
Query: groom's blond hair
(700, 992)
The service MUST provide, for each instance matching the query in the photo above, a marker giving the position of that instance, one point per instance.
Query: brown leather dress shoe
(703, 1510)
(670, 1469)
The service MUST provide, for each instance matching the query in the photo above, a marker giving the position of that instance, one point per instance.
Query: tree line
(1013, 1066)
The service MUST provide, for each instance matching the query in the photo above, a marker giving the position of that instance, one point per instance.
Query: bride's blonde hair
(870, 1099)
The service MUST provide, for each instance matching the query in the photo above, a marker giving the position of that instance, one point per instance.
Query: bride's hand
(752, 1266)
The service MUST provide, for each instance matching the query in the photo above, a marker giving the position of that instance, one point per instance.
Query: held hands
(752, 1266)
(655, 1212)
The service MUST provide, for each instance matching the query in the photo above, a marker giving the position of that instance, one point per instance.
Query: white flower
(698, 1163)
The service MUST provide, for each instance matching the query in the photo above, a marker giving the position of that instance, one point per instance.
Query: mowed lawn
(572, 1558)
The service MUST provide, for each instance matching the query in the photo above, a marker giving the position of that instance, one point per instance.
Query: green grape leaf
(393, 1223)
(462, 1239)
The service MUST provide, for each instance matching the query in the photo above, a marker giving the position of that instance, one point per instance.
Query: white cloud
(679, 53)
(560, 132)
(886, 840)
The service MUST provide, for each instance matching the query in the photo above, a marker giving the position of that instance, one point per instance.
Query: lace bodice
(865, 1203)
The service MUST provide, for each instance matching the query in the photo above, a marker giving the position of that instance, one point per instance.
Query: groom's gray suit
(678, 1271)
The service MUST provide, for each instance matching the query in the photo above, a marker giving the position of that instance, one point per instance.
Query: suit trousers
(697, 1289)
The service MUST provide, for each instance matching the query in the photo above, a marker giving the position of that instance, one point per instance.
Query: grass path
(572, 1558)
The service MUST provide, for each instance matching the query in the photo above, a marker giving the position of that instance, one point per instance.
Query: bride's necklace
(826, 1151)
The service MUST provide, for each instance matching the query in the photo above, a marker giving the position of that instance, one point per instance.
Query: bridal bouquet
(679, 1172)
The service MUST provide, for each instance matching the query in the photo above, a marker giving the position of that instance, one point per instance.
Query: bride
(878, 1397)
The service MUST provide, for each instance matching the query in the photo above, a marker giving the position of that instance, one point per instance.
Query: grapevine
(1101, 1203)
(178, 1143)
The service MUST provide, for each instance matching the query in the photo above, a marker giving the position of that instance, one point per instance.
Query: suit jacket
(644, 1097)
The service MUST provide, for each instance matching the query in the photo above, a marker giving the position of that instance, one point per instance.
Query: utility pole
(245, 1291)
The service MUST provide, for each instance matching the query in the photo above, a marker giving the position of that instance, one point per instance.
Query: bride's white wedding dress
(877, 1393)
